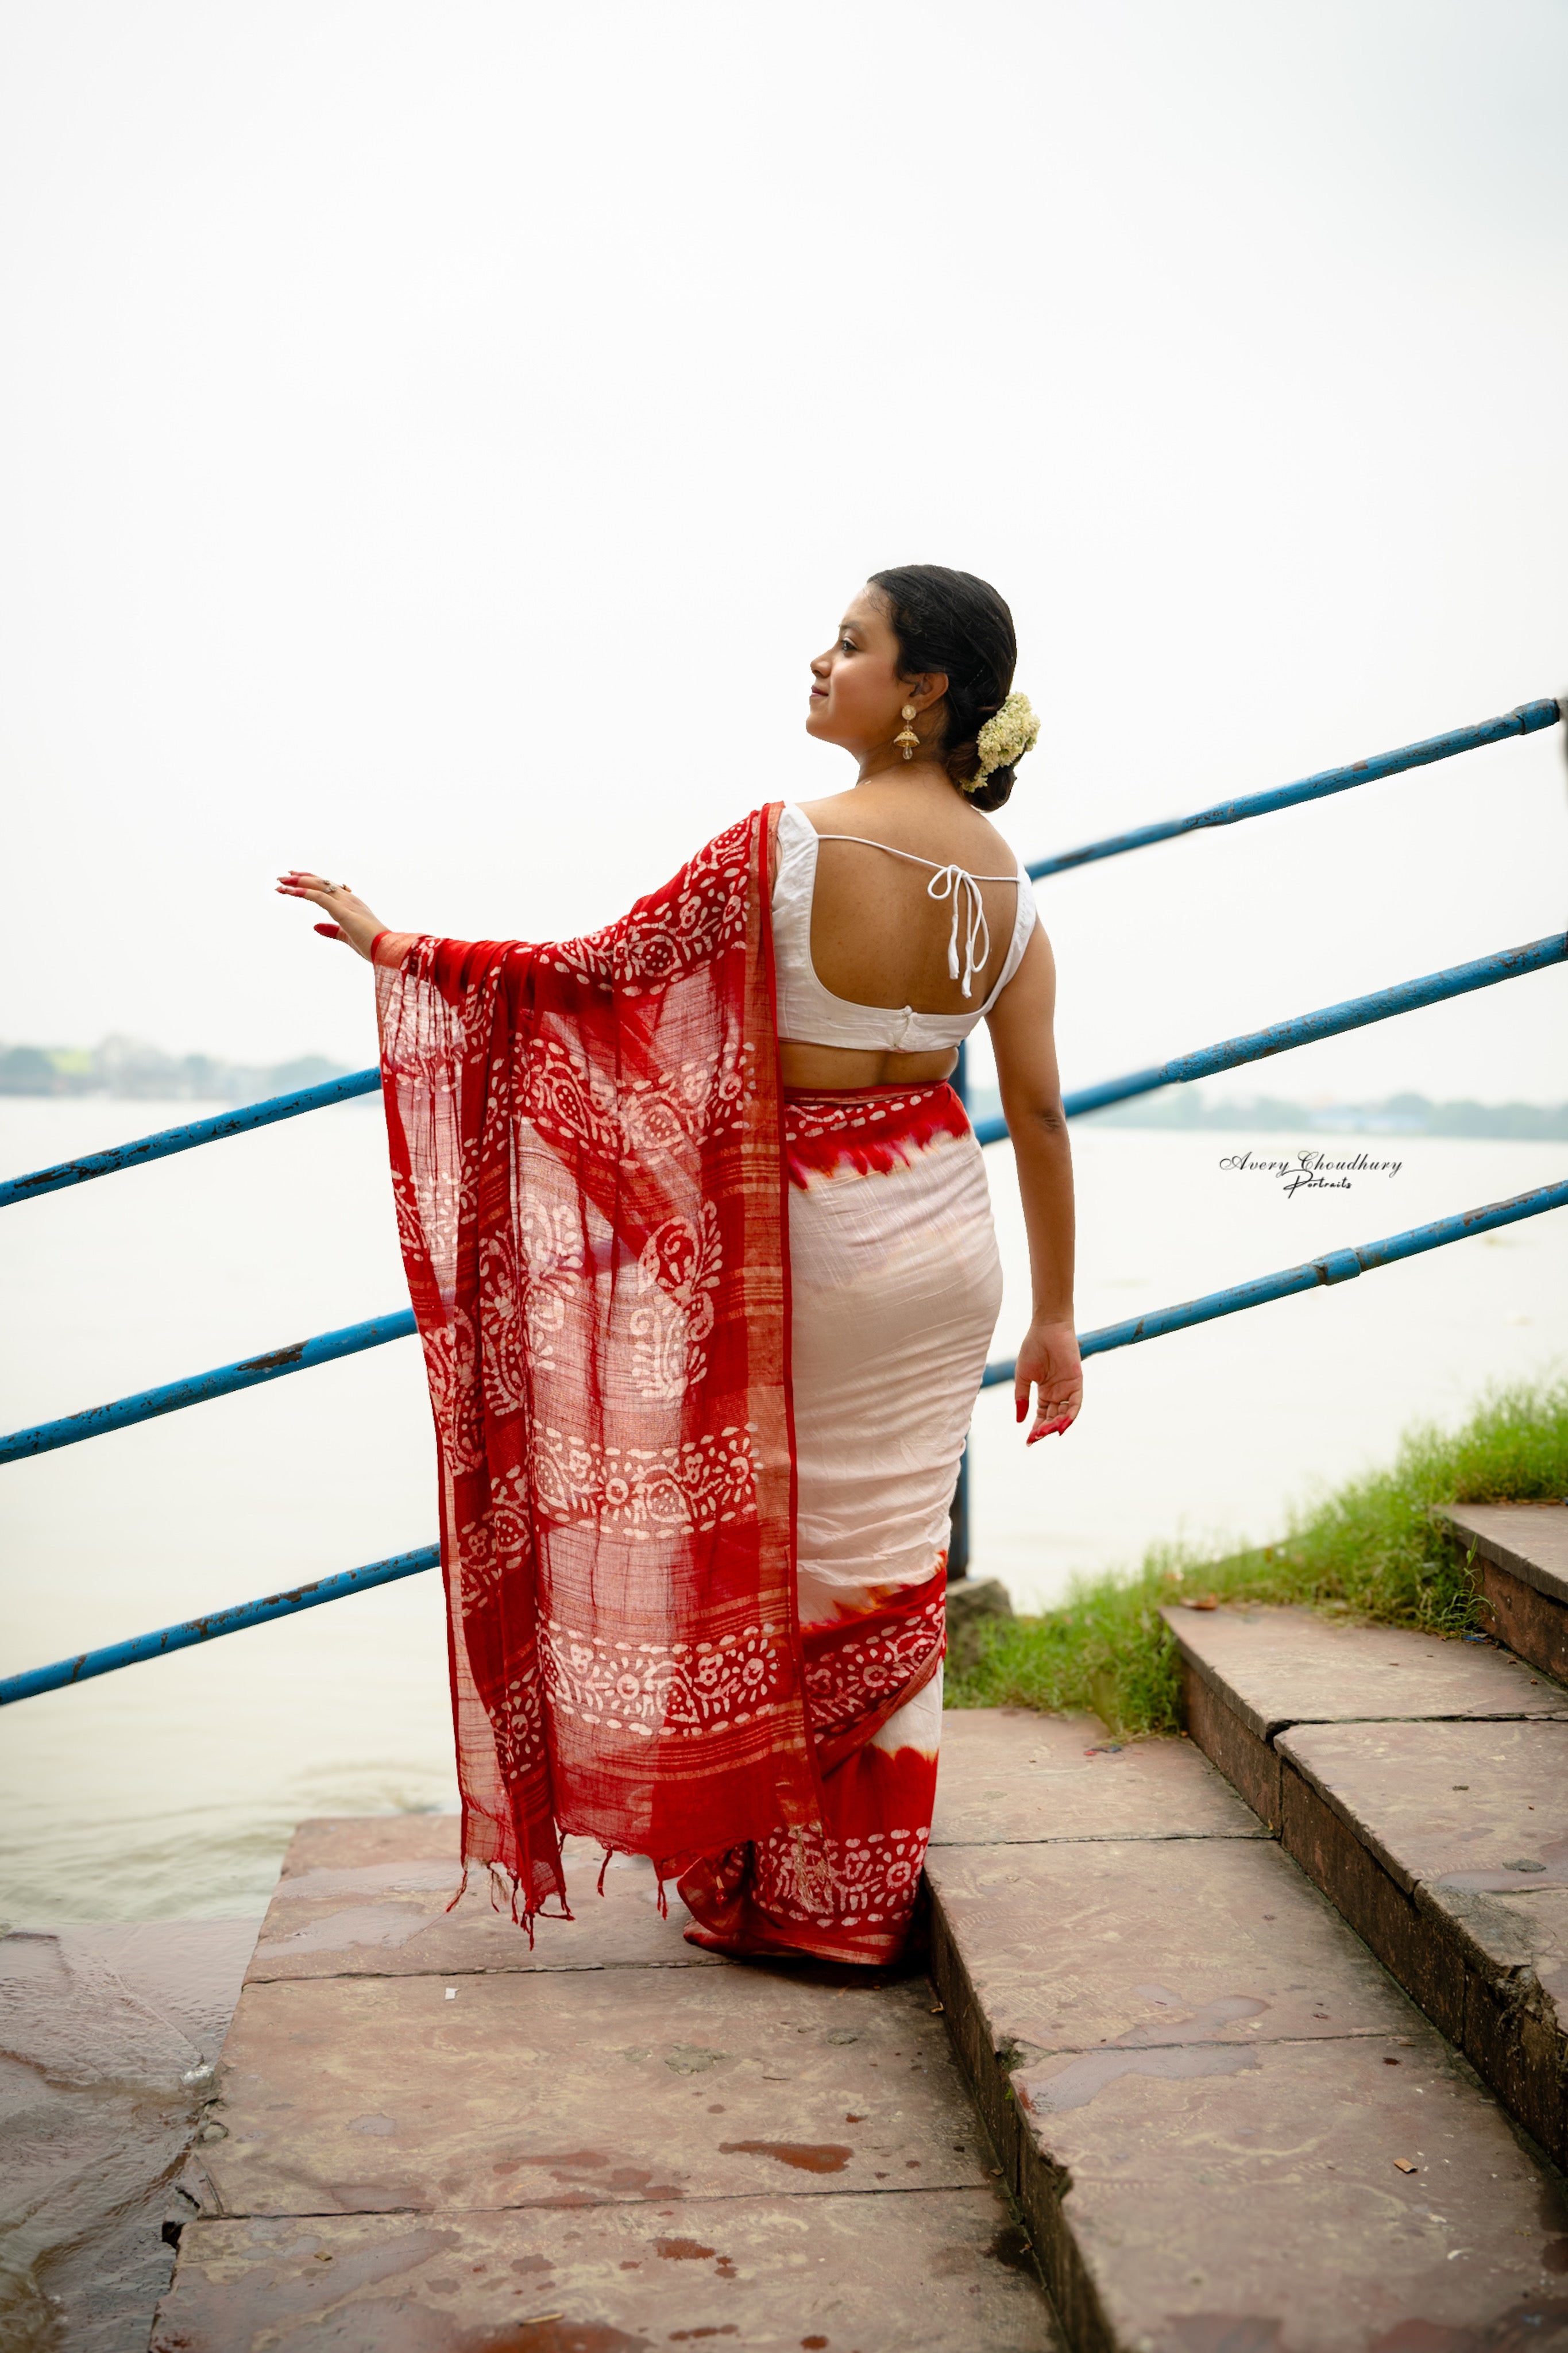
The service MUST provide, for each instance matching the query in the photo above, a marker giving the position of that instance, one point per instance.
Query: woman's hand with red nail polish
(355, 926)
(1048, 1362)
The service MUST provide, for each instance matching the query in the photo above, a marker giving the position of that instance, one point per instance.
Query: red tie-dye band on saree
(846, 1892)
(874, 1131)
(591, 1200)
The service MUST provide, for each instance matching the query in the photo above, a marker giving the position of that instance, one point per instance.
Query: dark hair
(950, 621)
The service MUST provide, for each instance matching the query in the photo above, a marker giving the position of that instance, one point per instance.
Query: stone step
(425, 2135)
(1518, 1553)
(1230, 2130)
(1227, 2130)
(1423, 1785)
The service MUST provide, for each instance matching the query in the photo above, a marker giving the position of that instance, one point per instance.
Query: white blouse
(811, 1015)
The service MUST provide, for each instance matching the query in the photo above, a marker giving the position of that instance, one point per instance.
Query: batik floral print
(587, 1171)
(677, 1276)
(847, 1892)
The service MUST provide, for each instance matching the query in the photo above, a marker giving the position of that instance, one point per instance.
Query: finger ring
(332, 889)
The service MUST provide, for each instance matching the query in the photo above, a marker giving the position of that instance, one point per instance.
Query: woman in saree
(700, 1246)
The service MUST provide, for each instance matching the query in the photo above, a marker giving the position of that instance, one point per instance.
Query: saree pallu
(895, 1287)
(591, 1202)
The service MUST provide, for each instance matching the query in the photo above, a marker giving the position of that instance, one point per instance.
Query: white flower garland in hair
(1007, 736)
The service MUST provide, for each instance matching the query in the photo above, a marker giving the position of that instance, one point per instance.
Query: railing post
(958, 1533)
(958, 1540)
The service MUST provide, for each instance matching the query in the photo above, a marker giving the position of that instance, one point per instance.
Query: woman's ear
(929, 688)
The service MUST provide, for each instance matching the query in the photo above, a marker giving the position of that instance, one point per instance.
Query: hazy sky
(433, 439)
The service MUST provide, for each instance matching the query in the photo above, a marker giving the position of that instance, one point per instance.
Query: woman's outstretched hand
(1048, 1362)
(351, 923)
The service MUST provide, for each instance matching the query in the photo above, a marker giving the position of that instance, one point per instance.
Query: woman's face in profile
(855, 691)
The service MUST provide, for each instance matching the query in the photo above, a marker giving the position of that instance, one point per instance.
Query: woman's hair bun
(954, 622)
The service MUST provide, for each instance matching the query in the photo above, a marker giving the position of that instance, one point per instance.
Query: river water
(168, 1789)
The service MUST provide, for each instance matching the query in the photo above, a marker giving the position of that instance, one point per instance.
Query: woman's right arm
(1022, 1035)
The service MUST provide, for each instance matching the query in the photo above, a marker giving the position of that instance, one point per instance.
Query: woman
(700, 1246)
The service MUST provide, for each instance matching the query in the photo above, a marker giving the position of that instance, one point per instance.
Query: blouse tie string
(955, 882)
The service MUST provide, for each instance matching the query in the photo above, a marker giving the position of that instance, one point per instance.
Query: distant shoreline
(127, 1068)
(1184, 1109)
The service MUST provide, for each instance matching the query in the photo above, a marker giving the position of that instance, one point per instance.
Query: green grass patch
(1367, 1551)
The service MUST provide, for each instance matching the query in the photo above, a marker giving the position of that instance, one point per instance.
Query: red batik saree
(593, 1198)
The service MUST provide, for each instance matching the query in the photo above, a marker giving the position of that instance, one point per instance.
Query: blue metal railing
(168, 1140)
(1306, 1028)
(1485, 972)
(1526, 721)
(1335, 1266)
(249, 1373)
(88, 1663)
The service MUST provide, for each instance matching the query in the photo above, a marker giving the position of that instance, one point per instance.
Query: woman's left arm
(1021, 1032)
(351, 923)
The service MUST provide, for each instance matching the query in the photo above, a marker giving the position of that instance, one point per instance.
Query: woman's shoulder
(826, 815)
(959, 835)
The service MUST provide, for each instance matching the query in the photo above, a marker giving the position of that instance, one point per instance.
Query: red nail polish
(1022, 1406)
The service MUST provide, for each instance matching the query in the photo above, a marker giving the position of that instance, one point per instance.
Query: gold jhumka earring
(908, 742)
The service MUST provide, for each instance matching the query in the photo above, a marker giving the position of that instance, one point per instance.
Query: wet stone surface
(1275, 1668)
(1477, 1806)
(1011, 1777)
(371, 1898)
(613, 2143)
(1123, 1947)
(1470, 1822)
(108, 2038)
(1266, 2206)
(946, 2272)
(1231, 2132)
(366, 2095)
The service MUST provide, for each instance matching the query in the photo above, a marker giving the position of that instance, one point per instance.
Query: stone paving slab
(1521, 1939)
(366, 2095)
(1267, 2209)
(1530, 1540)
(1411, 1829)
(946, 2272)
(1274, 1668)
(1109, 1947)
(1200, 2088)
(369, 1896)
(1204, 2090)
(1477, 1806)
(1400, 1773)
(1009, 1776)
(1518, 1554)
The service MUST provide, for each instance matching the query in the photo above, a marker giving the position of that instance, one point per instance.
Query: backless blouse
(811, 1015)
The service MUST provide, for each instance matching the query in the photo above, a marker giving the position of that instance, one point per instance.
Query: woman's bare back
(877, 935)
